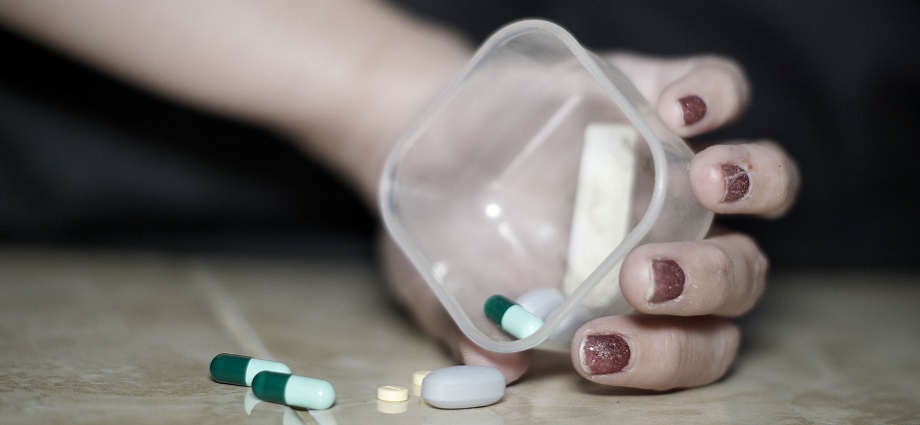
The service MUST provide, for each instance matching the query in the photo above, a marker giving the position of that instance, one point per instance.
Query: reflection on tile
(228, 313)
(392, 407)
(107, 340)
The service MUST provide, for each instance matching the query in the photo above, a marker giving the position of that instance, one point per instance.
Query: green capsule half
(293, 390)
(240, 370)
(512, 318)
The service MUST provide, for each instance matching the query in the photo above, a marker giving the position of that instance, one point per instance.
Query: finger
(512, 365)
(425, 309)
(410, 289)
(692, 95)
(655, 352)
(752, 178)
(723, 275)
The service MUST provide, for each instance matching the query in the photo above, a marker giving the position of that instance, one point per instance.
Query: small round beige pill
(419, 376)
(392, 407)
(392, 393)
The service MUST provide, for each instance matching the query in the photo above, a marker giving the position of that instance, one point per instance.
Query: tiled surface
(127, 338)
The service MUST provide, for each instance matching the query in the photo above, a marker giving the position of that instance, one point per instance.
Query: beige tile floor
(106, 338)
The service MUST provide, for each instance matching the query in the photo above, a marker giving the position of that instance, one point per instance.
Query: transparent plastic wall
(480, 192)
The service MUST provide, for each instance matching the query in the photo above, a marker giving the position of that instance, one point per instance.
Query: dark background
(89, 162)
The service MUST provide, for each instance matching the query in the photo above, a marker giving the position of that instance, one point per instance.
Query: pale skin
(343, 78)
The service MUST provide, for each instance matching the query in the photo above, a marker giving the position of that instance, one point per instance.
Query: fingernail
(737, 182)
(694, 109)
(603, 354)
(669, 281)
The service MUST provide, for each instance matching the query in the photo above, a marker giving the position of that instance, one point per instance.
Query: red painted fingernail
(669, 280)
(694, 109)
(737, 182)
(603, 354)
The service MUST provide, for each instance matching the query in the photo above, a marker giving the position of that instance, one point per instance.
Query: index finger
(693, 95)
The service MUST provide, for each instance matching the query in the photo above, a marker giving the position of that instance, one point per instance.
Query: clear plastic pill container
(539, 166)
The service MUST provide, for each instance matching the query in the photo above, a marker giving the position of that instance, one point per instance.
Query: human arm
(339, 77)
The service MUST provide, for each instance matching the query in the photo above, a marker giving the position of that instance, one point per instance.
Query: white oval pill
(461, 387)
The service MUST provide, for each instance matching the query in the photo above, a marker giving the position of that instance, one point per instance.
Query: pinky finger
(655, 352)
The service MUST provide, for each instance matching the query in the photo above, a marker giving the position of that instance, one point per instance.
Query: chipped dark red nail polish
(737, 182)
(603, 354)
(668, 280)
(694, 109)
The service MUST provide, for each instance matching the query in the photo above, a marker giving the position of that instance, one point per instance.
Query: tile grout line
(228, 312)
(231, 317)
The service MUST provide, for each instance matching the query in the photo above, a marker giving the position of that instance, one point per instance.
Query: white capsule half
(541, 302)
(293, 390)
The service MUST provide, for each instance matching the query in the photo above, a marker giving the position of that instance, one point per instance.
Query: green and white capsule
(513, 318)
(241, 370)
(293, 390)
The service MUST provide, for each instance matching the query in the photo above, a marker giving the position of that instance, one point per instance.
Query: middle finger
(723, 275)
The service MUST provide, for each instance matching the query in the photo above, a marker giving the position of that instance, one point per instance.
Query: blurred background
(89, 162)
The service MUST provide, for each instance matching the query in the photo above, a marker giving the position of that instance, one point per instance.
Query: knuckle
(733, 80)
(726, 349)
(721, 263)
(693, 354)
(673, 362)
(692, 359)
(742, 269)
(792, 179)
(760, 268)
(784, 180)
(751, 282)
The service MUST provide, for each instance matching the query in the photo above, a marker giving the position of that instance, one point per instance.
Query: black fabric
(837, 83)
(88, 161)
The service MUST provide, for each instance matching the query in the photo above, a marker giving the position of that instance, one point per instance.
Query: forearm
(341, 77)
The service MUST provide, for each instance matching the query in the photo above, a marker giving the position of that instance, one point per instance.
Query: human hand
(686, 340)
